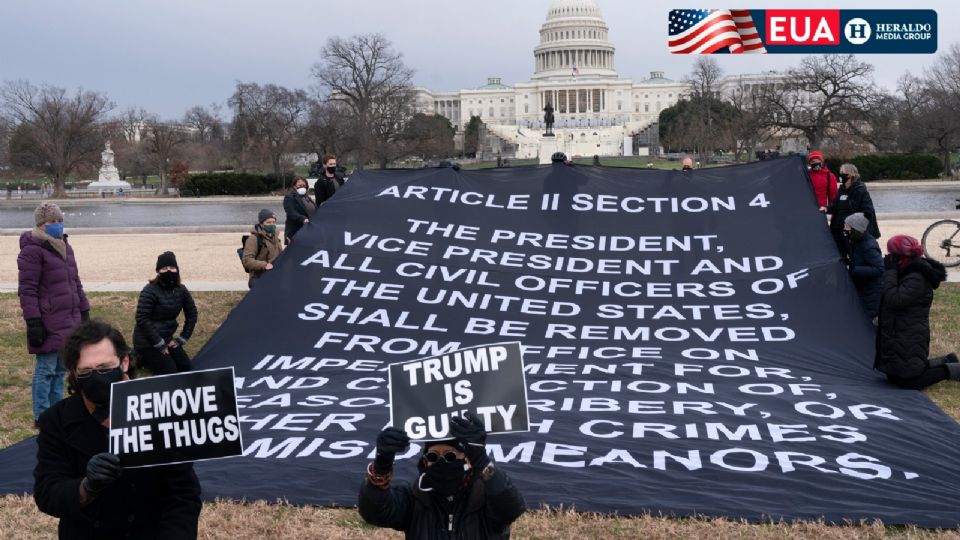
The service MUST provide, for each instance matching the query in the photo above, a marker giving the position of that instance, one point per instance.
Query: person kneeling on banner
(79, 481)
(160, 303)
(865, 263)
(262, 247)
(459, 493)
(903, 336)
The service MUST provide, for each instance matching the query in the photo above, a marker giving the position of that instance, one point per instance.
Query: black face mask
(332, 170)
(168, 278)
(844, 177)
(816, 166)
(443, 478)
(96, 387)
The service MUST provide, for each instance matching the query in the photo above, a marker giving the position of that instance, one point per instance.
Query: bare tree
(163, 139)
(272, 117)
(929, 118)
(207, 123)
(61, 131)
(823, 97)
(327, 130)
(746, 130)
(369, 79)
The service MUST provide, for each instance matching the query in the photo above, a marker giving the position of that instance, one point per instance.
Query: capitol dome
(574, 43)
(566, 8)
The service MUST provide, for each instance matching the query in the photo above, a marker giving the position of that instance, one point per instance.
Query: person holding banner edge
(159, 305)
(459, 494)
(77, 480)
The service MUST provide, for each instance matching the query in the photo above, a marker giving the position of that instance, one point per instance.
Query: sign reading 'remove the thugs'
(487, 381)
(175, 418)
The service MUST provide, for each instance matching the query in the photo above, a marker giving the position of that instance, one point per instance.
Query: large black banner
(692, 345)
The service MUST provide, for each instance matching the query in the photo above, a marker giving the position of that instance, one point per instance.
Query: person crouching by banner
(459, 493)
(262, 247)
(158, 347)
(865, 263)
(77, 480)
(903, 334)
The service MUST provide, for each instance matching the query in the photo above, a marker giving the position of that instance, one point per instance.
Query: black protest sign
(167, 419)
(487, 381)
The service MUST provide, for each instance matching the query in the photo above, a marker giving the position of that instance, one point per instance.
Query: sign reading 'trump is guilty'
(177, 418)
(487, 381)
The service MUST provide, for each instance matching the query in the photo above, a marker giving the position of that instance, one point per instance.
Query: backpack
(243, 244)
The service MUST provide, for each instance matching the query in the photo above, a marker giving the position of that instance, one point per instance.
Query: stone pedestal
(548, 146)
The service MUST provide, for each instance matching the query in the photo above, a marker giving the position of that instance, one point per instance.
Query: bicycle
(941, 241)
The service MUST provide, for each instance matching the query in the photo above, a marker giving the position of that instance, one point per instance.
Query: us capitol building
(597, 112)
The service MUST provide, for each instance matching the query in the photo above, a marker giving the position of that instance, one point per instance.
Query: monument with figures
(109, 178)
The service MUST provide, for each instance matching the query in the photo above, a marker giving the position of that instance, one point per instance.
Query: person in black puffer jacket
(852, 197)
(459, 495)
(865, 263)
(903, 333)
(158, 347)
(299, 207)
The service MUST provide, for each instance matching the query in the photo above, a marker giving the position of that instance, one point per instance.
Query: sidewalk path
(209, 262)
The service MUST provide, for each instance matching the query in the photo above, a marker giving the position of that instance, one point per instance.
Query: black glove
(472, 437)
(102, 470)
(390, 441)
(36, 334)
(891, 261)
(85, 316)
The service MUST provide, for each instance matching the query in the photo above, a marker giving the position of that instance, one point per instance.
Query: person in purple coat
(52, 301)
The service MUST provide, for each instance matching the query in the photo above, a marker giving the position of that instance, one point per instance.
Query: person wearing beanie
(459, 493)
(51, 299)
(262, 247)
(852, 197)
(903, 329)
(159, 348)
(865, 263)
(299, 207)
(824, 182)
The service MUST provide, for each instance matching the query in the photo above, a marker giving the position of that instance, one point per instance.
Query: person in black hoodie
(79, 481)
(158, 347)
(852, 197)
(459, 494)
(865, 263)
(299, 206)
(903, 333)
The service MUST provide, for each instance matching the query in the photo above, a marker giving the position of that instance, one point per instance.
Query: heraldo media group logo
(803, 31)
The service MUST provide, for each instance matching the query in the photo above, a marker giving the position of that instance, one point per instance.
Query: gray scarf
(58, 243)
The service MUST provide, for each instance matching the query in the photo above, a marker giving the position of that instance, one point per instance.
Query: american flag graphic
(706, 31)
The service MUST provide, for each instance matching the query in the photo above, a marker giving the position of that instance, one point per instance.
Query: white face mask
(301, 191)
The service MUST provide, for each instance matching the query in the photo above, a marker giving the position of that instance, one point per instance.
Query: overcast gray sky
(168, 55)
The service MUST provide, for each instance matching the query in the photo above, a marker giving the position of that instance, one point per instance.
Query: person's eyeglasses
(433, 457)
(102, 370)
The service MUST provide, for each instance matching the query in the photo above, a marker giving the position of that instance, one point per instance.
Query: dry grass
(20, 519)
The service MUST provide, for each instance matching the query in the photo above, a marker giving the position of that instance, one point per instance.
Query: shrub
(205, 185)
(891, 166)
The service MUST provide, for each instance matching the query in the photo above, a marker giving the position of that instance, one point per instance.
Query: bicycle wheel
(941, 242)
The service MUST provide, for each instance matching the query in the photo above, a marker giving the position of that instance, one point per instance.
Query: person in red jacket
(52, 300)
(824, 182)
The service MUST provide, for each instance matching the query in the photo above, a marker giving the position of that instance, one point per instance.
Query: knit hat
(47, 212)
(167, 258)
(857, 222)
(265, 215)
(905, 246)
(816, 155)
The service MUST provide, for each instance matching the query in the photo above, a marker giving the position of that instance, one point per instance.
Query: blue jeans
(47, 382)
